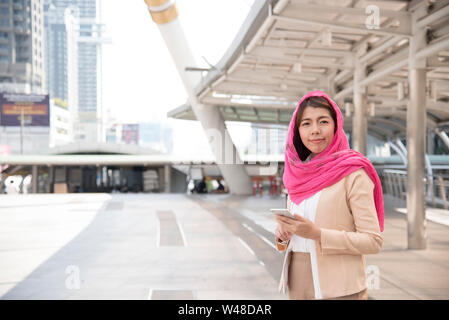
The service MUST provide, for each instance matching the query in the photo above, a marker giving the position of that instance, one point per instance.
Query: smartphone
(283, 212)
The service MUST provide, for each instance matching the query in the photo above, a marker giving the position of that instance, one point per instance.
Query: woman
(335, 196)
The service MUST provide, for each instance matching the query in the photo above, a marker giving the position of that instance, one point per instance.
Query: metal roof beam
(251, 73)
(346, 63)
(239, 87)
(389, 122)
(400, 60)
(343, 26)
(288, 51)
(433, 17)
(304, 6)
(374, 52)
(288, 106)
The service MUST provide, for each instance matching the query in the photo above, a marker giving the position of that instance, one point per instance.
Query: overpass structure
(104, 167)
(385, 63)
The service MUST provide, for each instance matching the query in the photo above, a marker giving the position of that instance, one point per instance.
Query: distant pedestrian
(221, 188)
(11, 188)
(201, 186)
(335, 196)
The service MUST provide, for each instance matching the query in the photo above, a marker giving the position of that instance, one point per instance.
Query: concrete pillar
(51, 178)
(416, 139)
(167, 178)
(108, 178)
(164, 13)
(98, 177)
(161, 178)
(35, 177)
(359, 121)
(430, 146)
(121, 177)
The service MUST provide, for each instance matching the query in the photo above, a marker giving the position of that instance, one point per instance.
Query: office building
(21, 46)
(75, 32)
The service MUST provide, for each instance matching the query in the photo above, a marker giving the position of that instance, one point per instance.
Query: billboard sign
(36, 111)
(130, 133)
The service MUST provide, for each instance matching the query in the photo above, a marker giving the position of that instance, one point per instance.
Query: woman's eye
(324, 122)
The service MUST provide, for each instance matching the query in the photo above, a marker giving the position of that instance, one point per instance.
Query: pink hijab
(303, 180)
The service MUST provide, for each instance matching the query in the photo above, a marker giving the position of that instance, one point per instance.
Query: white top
(307, 209)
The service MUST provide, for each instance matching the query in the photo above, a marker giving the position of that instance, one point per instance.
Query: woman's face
(316, 129)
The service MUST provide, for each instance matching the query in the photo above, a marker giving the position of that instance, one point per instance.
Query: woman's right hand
(281, 234)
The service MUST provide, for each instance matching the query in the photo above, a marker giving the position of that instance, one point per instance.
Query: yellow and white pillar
(165, 14)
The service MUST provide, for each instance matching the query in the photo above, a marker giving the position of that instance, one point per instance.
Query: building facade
(22, 67)
(75, 36)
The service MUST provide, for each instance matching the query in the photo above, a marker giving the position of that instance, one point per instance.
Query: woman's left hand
(300, 226)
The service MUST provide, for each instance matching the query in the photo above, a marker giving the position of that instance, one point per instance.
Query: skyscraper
(22, 73)
(21, 46)
(84, 74)
(61, 56)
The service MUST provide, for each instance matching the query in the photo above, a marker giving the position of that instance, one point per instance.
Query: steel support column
(416, 139)
(359, 121)
(51, 178)
(34, 178)
(164, 13)
(167, 178)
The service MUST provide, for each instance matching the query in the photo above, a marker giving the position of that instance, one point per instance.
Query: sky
(140, 81)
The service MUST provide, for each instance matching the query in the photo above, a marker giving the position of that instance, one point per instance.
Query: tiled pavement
(174, 246)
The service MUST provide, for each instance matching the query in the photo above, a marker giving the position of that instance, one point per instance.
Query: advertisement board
(130, 133)
(36, 111)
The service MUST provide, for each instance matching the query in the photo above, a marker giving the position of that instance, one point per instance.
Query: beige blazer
(347, 216)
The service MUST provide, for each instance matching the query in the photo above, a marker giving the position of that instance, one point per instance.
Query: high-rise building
(61, 57)
(22, 67)
(75, 35)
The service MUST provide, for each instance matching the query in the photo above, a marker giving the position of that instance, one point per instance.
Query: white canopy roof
(287, 48)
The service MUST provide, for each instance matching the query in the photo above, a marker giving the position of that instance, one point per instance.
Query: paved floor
(173, 246)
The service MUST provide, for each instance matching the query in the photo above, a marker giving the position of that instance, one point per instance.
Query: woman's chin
(316, 150)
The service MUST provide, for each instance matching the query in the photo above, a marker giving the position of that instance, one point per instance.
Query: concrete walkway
(127, 246)
(174, 246)
(404, 274)
(411, 274)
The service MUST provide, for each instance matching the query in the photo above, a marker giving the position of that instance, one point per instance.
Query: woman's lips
(317, 141)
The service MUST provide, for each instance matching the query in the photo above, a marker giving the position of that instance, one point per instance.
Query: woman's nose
(315, 128)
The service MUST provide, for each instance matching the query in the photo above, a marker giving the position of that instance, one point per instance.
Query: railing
(437, 187)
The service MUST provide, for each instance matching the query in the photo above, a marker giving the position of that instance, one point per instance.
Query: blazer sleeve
(367, 238)
(282, 246)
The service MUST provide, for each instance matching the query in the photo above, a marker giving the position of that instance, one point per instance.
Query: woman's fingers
(282, 235)
(284, 219)
(287, 228)
(299, 217)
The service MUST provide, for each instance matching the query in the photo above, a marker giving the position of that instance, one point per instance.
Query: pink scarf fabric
(303, 180)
